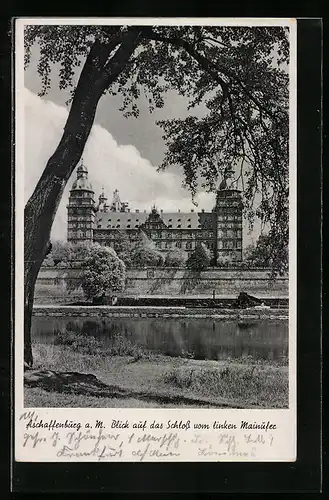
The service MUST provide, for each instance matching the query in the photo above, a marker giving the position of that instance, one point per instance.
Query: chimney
(178, 210)
(144, 211)
(128, 209)
(202, 210)
(137, 210)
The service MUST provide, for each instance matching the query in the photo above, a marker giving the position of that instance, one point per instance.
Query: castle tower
(228, 223)
(116, 202)
(102, 202)
(117, 205)
(81, 208)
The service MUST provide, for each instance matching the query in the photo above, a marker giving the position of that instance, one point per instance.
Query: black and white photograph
(157, 201)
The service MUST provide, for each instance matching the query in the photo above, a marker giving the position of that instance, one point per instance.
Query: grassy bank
(79, 371)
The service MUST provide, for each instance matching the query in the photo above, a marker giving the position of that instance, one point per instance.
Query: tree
(175, 258)
(230, 70)
(103, 273)
(122, 243)
(261, 254)
(144, 257)
(65, 254)
(199, 260)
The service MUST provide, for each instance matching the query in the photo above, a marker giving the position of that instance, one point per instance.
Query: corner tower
(81, 208)
(228, 225)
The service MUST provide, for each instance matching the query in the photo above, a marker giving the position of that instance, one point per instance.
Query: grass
(143, 377)
(256, 385)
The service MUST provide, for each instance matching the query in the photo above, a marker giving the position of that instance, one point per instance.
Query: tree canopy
(104, 273)
(261, 253)
(175, 258)
(199, 260)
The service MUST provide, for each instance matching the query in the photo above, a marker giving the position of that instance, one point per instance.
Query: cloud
(110, 164)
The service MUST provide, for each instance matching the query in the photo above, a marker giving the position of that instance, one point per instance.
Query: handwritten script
(143, 440)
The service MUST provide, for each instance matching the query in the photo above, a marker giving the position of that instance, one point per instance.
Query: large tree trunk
(97, 74)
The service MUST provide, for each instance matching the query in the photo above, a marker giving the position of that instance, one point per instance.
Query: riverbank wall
(158, 312)
(62, 285)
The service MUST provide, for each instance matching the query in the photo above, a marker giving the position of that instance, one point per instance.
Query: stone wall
(53, 284)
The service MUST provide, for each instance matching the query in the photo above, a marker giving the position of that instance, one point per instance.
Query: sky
(120, 153)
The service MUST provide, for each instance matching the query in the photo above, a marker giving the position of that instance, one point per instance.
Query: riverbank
(158, 312)
(81, 372)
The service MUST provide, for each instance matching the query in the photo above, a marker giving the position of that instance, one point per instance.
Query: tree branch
(207, 65)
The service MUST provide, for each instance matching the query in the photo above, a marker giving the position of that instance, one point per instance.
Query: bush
(199, 260)
(175, 258)
(64, 254)
(143, 257)
(88, 344)
(103, 272)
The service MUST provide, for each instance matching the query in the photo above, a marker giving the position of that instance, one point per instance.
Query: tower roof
(82, 183)
(82, 169)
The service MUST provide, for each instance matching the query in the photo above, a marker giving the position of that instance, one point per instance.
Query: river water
(196, 337)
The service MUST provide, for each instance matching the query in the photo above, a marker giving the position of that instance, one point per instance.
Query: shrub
(64, 254)
(103, 272)
(143, 257)
(175, 258)
(199, 260)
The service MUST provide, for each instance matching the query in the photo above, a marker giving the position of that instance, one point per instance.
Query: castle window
(137, 220)
(169, 220)
(99, 225)
(118, 220)
(179, 226)
(170, 226)
(136, 225)
(109, 220)
(118, 225)
(128, 225)
(129, 220)
(178, 220)
(178, 244)
(189, 226)
(188, 220)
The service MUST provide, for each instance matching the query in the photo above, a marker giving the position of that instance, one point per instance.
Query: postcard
(155, 286)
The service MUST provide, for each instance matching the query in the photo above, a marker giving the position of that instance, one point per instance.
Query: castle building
(220, 230)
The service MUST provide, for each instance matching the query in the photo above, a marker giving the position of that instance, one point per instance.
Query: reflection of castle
(220, 230)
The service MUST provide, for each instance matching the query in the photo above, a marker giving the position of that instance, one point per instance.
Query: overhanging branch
(207, 65)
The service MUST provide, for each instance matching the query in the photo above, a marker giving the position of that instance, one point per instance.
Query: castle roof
(133, 220)
(82, 182)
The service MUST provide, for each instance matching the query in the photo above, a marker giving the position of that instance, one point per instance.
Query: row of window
(163, 234)
(235, 233)
(229, 217)
(76, 225)
(231, 244)
(137, 220)
(129, 226)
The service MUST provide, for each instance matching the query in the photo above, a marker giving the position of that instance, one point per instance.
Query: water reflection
(200, 338)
